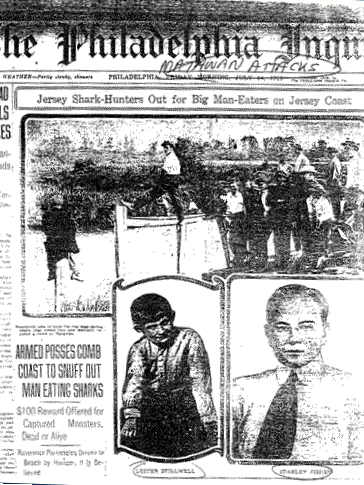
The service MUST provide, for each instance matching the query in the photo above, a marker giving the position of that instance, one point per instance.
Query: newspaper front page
(182, 253)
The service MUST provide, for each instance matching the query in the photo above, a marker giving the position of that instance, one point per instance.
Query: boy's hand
(130, 428)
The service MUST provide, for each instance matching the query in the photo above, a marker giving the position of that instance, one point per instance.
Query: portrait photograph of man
(304, 408)
(169, 390)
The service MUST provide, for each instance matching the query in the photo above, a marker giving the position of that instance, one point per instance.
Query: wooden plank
(59, 284)
(179, 246)
(137, 222)
(121, 216)
(224, 240)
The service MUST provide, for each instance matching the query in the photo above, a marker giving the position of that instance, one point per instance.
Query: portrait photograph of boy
(167, 362)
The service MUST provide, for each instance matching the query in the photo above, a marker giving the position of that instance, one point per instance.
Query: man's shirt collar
(312, 372)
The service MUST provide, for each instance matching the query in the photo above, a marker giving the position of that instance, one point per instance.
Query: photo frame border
(216, 285)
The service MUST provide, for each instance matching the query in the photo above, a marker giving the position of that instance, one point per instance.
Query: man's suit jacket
(329, 414)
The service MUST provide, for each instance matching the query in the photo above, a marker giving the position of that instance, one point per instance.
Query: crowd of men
(281, 215)
(293, 207)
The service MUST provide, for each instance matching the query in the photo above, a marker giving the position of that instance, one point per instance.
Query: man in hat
(59, 228)
(301, 158)
(353, 206)
(236, 215)
(355, 175)
(312, 211)
(256, 194)
(168, 409)
(303, 410)
(334, 181)
(280, 216)
(168, 183)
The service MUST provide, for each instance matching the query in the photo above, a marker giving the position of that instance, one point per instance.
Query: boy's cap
(167, 143)
(351, 144)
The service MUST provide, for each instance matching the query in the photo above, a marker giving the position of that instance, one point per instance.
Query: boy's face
(349, 153)
(296, 332)
(309, 176)
(160, 332)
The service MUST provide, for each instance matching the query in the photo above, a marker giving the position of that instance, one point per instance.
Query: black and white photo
(169, 390)
(303, 409)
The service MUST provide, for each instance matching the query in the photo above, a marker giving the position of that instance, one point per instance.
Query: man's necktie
(278, 431)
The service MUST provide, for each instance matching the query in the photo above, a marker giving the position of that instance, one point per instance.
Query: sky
(144, 131)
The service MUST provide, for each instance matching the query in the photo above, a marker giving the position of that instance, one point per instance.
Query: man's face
(167, 149)
(296, 332)
(160, 332)
(349, 153)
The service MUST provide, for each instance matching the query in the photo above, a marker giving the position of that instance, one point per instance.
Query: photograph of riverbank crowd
(137, 197)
